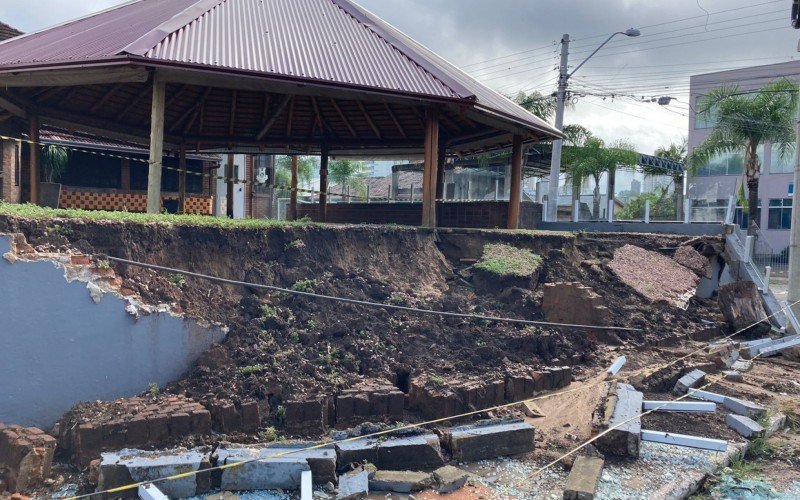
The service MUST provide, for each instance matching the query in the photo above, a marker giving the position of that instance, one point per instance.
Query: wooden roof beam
(232, 123)
(369, 119)
(147, 90)
(268, 125)
(344, 118)
(103, 100)
(400, 128)
(291, 117)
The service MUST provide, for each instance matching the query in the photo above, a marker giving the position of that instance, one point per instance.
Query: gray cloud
(471, 31)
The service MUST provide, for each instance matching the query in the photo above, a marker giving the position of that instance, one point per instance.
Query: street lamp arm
(595, 52)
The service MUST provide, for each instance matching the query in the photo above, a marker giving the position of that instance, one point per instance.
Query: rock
(489, 440)
(745, 408)
(583, 478)
(745, 426)
(691, 380)
(353, 485)
(134, 466)
(420, 452)
(741, 304)
(776, 423)
(400, 481)
(449, 479)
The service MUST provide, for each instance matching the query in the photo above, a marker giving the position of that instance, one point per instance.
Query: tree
(746, 120)
(306, 167)
(594, 158)
(542, 106)
(675, 152)
(348, 174)
(54, 162)
(575, 136)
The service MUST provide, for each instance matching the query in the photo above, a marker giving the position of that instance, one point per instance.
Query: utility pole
(555, 163)
(794, 242)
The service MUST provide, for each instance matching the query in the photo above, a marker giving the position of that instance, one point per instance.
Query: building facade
(712, 185)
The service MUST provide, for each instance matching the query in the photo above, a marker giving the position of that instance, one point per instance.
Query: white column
(576, 211)
(687, 211)
(767, 276)
(748, 248)
(611, 210)
(544, 211)
(647, 211)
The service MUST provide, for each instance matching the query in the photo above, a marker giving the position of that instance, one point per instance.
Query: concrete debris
(623, 404)
(679, 406)
(135, 466)
(490, 439)
(421, 452)
(322, 461)
(706, 396)
(260, 472)
(776, 423)
(95, 292)
(26, 457)
(775, 349)
(758, 347)
(743, 308)
(746, 408)
(400, 481)
(691, 380)
(353, 485)
(583, 478)
(742, 365)
(532, 410)
(733, 376)
(684, 440)
(745, 426)
(449, 479)
(616, 366)
(151, 492)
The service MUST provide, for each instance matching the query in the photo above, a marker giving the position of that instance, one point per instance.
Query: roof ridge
(71, 21)
(373, 23)
(149, 40)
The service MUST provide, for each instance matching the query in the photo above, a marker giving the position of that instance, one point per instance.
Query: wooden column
(515, 198)
(156, 146)
(323, 185)
(229, 183)
(431, 157)
(182, 180)
(293, 193)
(35, 149)
(440, 170)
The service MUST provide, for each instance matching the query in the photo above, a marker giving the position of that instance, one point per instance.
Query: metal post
(794, 241)
(647, 211)
(555, 164)
(687, 211)
(576, 211)
(611, 210)
(767, 276)
(544, 211)
(748, 248)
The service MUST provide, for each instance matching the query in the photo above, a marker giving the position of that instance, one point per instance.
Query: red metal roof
(327, 42)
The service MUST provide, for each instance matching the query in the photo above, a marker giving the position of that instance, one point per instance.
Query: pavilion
(319, 77)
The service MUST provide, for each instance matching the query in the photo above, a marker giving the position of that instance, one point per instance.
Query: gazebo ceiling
(244, 74)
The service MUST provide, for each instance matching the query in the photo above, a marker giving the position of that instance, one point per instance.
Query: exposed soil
(282, 345)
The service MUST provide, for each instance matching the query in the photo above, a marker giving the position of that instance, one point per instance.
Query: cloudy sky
(513, 45)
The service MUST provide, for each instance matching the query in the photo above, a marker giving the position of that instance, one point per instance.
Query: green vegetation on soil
(35, 212)
(505, 260)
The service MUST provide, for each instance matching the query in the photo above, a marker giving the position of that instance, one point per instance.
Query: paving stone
(263, 474)
(420, 452)
(746, 408)
(625, 439)
(353, 485)
(583, 478)
(449, 479)
(745, 426)
(489, 440)
(400, 481)
(126, 466)
(691, 380)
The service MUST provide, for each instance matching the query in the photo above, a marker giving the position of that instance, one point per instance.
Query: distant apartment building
(713, 184)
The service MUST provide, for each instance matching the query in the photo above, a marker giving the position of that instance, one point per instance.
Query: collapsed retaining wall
(79, 350)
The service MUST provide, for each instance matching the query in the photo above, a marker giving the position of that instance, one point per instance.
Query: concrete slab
(746, 408)
(691, 380)
(684, 440)
(616, 366)
(136, 466)
(449, 479)
(583, 478)
(742, 365)
(353, 485)
(489, 440)
(745, 426)
(260, 472)
(680, 406)
(321, 460)
(776, 349)
(420, 452)
(150, 492)
(400, 481)
(732, 375)
(624, 439)
(706, 396)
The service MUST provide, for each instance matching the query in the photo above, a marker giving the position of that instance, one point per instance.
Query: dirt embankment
(281, 346)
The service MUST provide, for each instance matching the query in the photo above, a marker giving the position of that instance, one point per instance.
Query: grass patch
(247, 370)
(507, 261)
(29, 211)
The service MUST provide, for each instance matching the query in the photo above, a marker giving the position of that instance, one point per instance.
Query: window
(780, 214)
(699, 123)
(723, 164)
(778, 165)
(741, 217)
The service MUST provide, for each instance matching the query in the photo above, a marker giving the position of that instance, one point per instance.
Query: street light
(564, 76)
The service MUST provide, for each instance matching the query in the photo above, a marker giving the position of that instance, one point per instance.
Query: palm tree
(675, 152)
(594, 158)
(575, 136)
(747, 120)
(542, 106)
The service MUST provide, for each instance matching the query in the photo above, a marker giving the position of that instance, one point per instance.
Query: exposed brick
(114, 435)
(344, 408)
(361, 405)
(201, 421)
(379, 404)
(137, 432)
(180, 424)
(158, 428)
(251, 418)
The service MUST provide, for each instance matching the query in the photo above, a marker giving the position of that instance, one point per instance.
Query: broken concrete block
(741, 365)
(420, 452)
(531, 409)
(449, 479)
(706, 396)
(625, 437)
(745, 426)
(691, 380)
(776, 423)
(583, 478)
(732, 375)
(264, 473)
(489, 440)
(745, 408)
(322, 461)
(400, 481)
(135, 466)
(671, 438)
(778, 348)
(353, 485)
